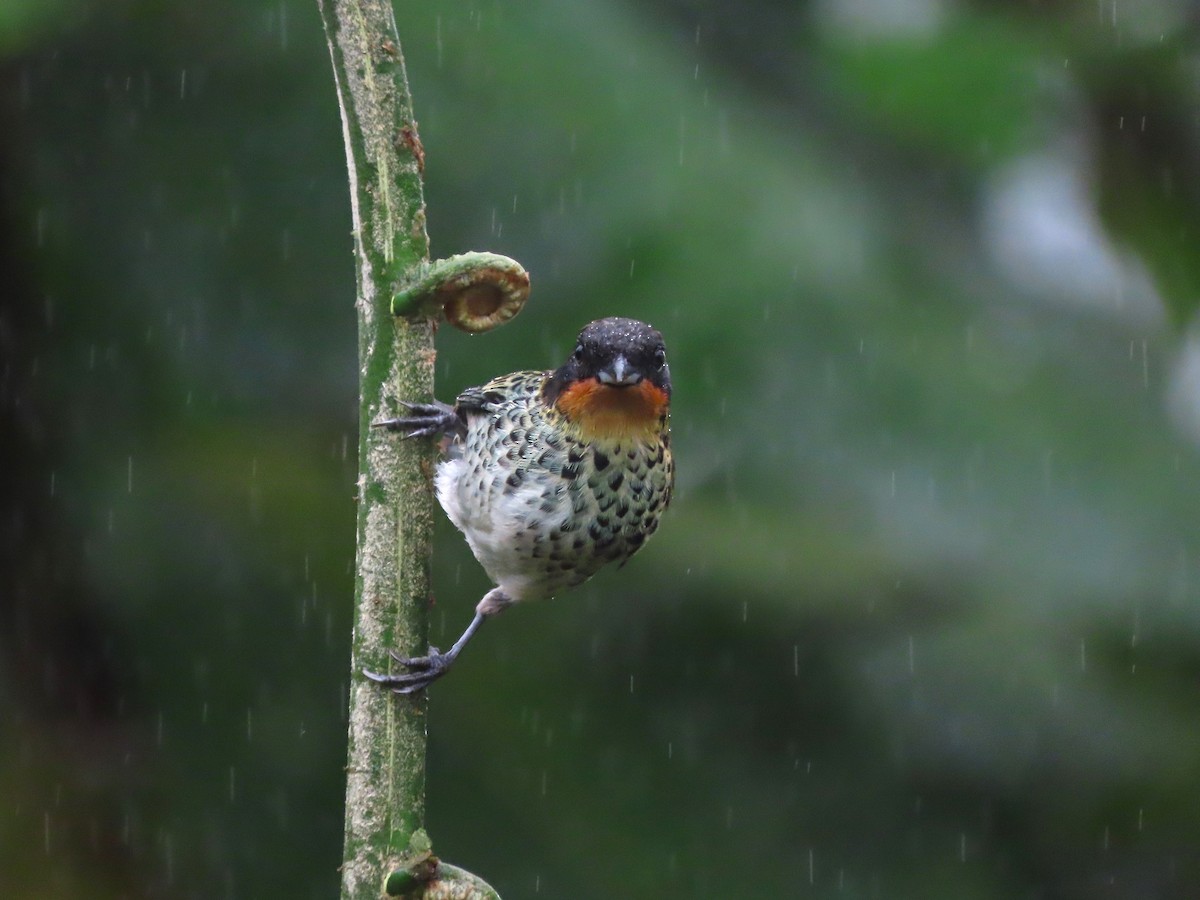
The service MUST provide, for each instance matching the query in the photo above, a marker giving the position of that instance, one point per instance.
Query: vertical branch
(385, 790)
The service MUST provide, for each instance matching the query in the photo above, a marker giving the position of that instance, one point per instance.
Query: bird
(550, 475)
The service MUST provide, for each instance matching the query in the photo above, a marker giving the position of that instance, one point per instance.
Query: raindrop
(169, 854)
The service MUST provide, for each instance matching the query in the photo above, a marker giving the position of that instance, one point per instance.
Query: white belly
(504, 527)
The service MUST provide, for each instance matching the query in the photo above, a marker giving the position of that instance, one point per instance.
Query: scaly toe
(432, 661)
(404, 683)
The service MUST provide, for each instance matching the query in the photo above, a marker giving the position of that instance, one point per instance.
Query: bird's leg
(425, 420)
(424, 670)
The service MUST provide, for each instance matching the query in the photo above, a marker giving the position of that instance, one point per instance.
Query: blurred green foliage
(923, 620)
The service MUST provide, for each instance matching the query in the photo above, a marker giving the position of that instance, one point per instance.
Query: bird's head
(616, 383)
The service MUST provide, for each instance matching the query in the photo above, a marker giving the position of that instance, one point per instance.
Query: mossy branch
(386, 848)
(385, 789)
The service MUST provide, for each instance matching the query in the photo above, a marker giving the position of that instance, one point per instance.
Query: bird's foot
(426, 420)
(423, 671)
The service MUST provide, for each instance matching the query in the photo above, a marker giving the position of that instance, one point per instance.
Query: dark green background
(924, 619)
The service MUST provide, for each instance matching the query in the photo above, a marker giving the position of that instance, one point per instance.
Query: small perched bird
(551, 475)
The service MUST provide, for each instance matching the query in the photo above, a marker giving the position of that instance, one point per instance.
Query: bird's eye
(660, 357)
(578, 354)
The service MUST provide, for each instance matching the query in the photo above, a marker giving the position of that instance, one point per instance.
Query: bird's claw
(427, 420)
(434, 658)
(423, 671)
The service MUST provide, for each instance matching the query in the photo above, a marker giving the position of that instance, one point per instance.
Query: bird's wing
(499, 391)
(473, 399)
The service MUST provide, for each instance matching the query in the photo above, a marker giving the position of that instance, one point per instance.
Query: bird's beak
(619, 374)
